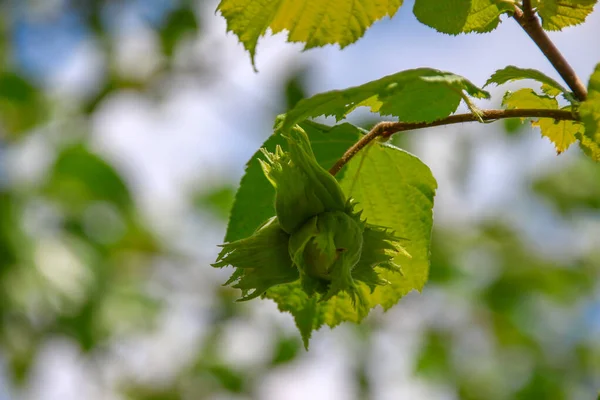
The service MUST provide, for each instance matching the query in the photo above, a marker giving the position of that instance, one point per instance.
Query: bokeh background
(124, 130)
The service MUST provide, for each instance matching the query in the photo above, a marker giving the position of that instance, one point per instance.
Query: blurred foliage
(79, 260)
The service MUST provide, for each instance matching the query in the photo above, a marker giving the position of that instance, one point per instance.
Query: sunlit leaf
(417, 95)
(461, 16)
(559, 14)
(590, 115)
(512, 73)
(313, 22)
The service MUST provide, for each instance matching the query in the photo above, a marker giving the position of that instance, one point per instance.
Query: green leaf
(417, 95)
(79, 177)
(179, 23)
(216, 200)
(527, 98)
(558, 14)
(589, 111)
(402, 201)
(562, 133)
(461, 16)
(589, 147)
(484, 15)
(313, 22)
(550, 90)
(395, 189)
(512, 73)
(22, 106)
(254, 204)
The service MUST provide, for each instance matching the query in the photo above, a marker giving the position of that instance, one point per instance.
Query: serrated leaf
(512, 73)
(313, 22)
(558, 14)
(589, 110)
(550, 90)
(461, 16)
(263, 258)
(416, 95)
(589, 147)
(407, 197)
(308, 313)
(395, 189)
(254, 203)
(527, 98)
(484, 15)
(562, 133)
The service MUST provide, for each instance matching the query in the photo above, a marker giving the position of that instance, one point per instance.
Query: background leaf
(179, 24)
(22, 105)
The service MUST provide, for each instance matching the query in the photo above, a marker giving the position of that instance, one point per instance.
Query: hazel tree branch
(386, 129)
(531, 25)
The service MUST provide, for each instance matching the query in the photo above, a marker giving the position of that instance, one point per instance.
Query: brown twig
(531, 25)
(386, 129)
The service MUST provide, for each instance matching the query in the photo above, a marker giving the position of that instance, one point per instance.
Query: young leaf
(416, 95)
(561, 133)
(313, 22)
(408, 199)
(558, 14)
(589, 147)
(461, 16)
(550, 90)
(512, 73)
(527, 98)
(590, 115)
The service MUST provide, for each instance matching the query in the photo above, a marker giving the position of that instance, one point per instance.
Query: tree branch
(386, 129)
(531, 25)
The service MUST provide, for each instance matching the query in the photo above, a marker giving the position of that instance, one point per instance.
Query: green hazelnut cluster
(315, 236)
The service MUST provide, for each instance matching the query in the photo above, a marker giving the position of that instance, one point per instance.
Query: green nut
(326, 249)
(315, 236)
(303, 188)
(262, 260)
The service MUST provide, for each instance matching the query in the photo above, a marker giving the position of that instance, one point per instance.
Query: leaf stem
(531, 25)
(386, 129)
